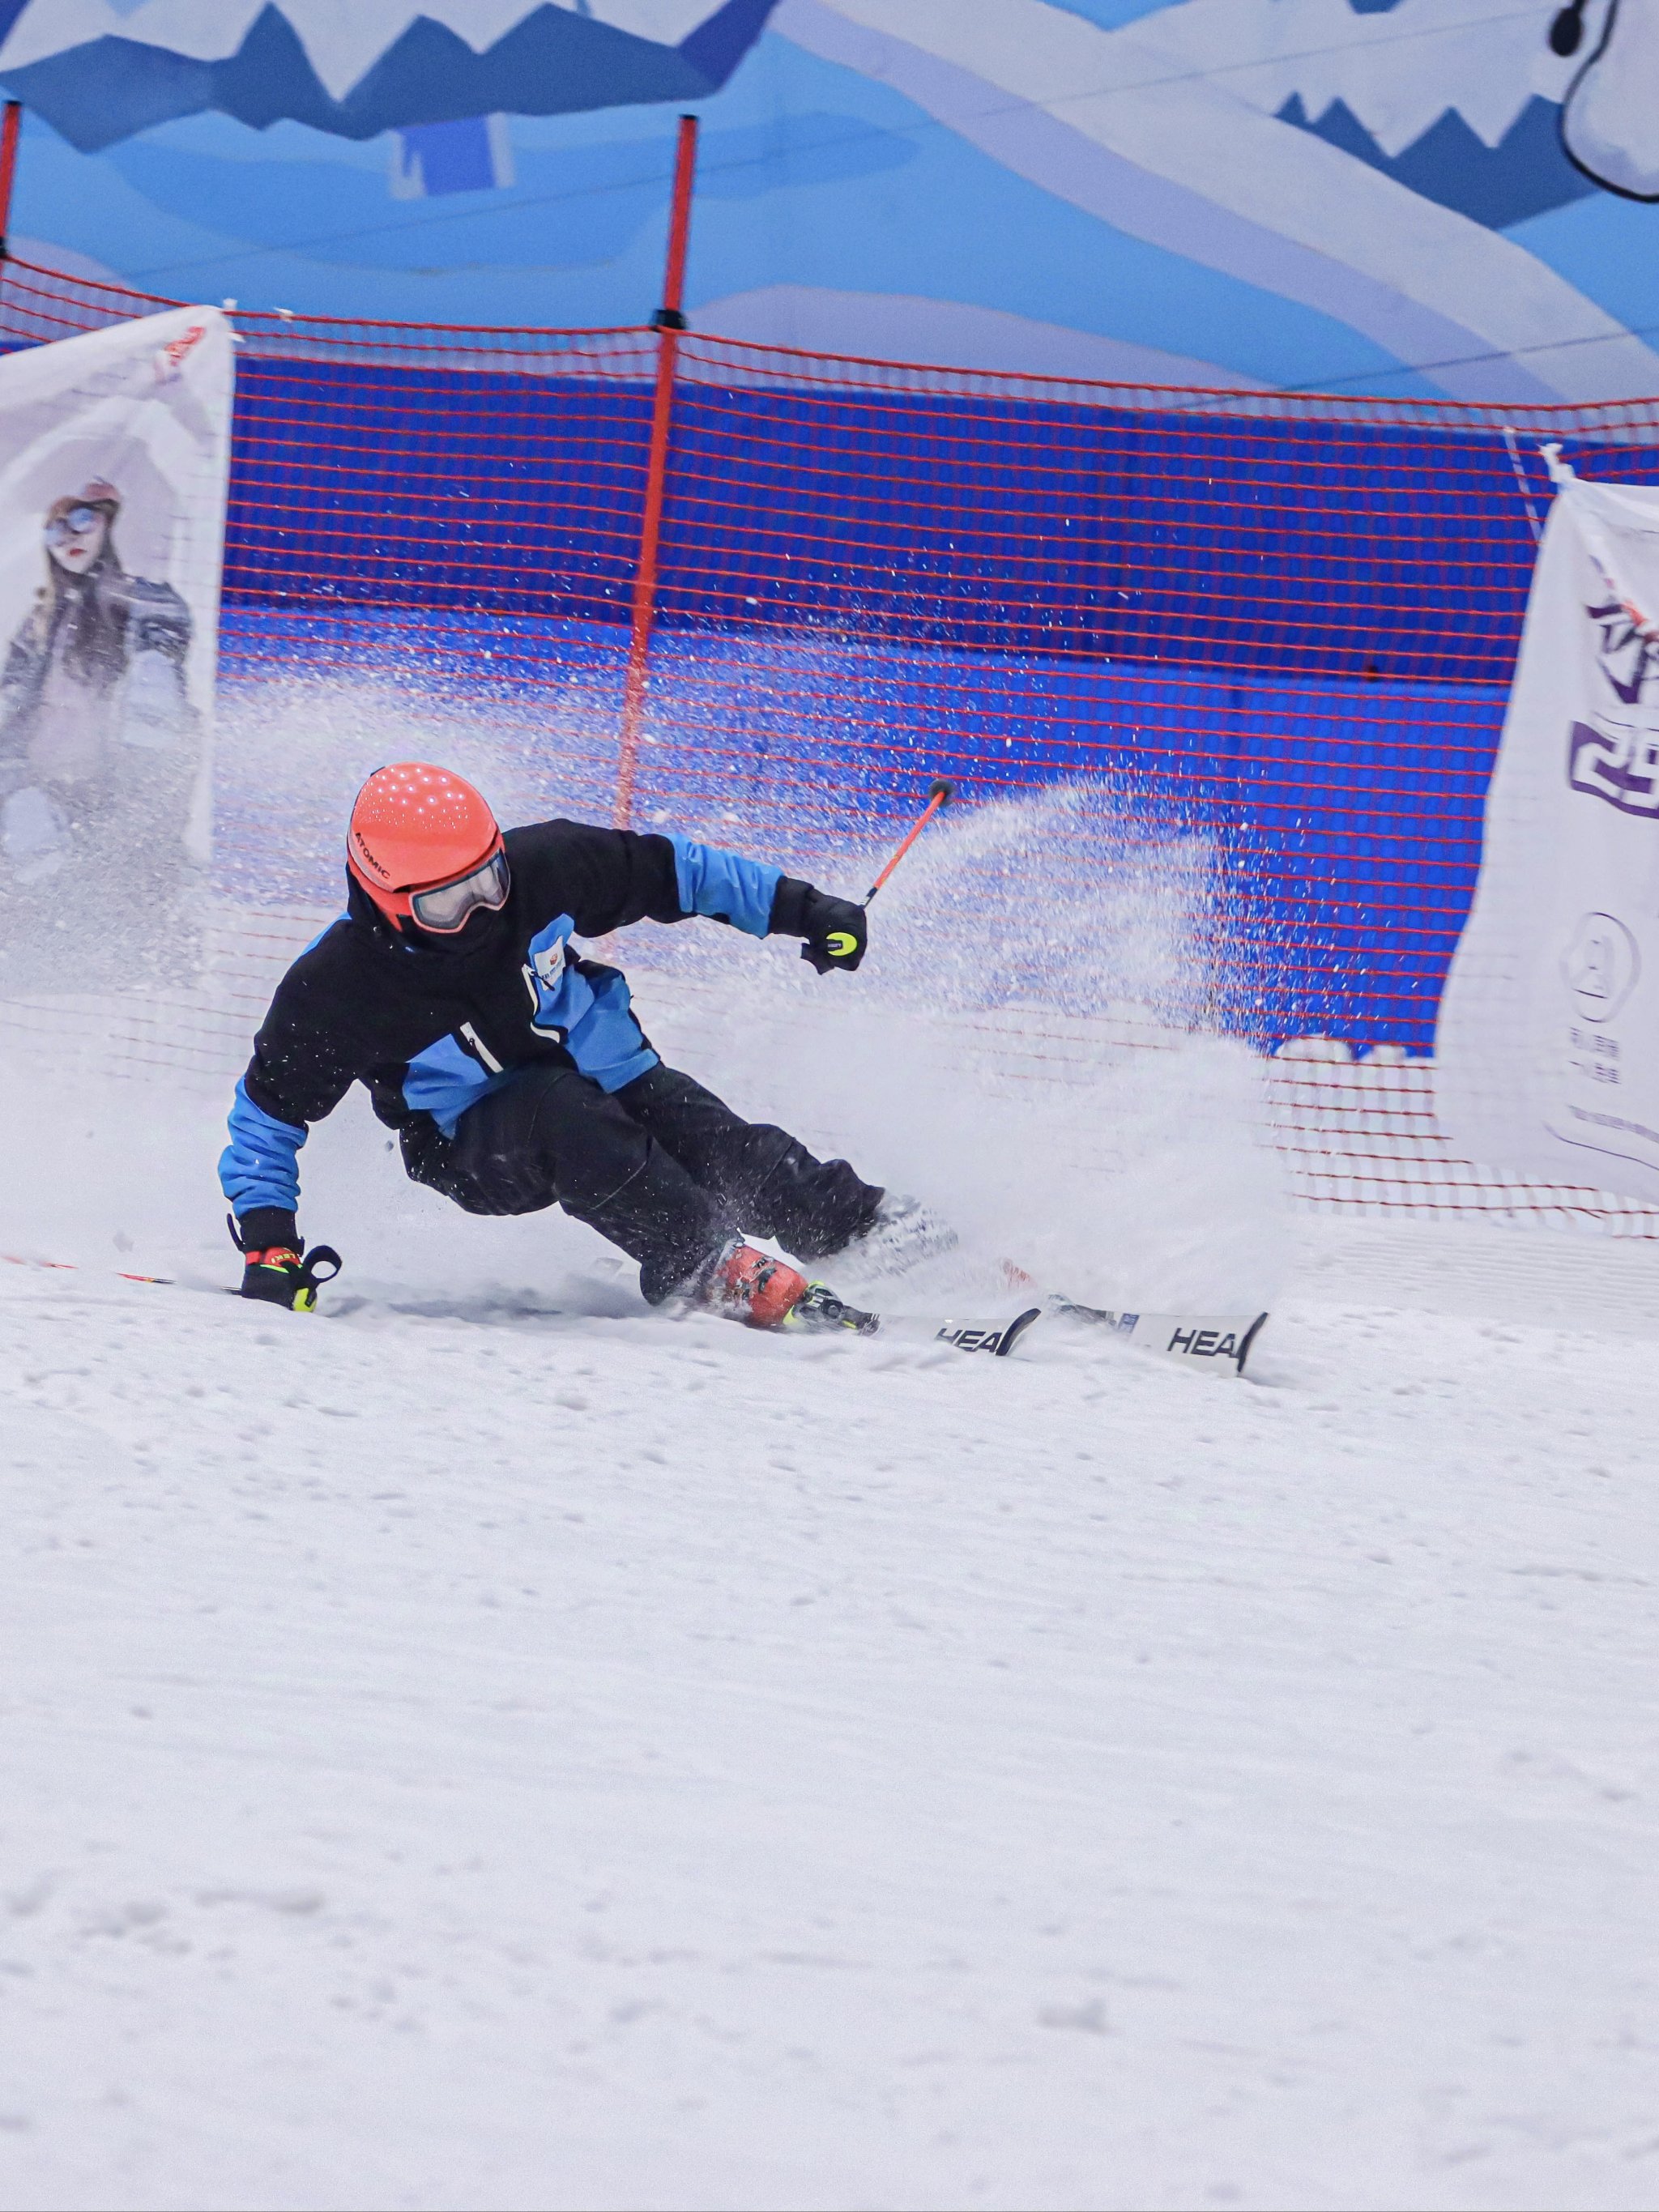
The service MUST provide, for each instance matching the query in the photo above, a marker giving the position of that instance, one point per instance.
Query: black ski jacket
(430, 1028)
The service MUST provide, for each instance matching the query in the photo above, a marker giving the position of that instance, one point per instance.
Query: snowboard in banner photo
(1547, 1041)
(114, 458)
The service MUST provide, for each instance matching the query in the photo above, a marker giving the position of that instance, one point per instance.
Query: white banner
(1549, 1038)
(114, 458)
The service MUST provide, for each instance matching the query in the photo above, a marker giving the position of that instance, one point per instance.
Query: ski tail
(998, 1337)
(1221, 1342)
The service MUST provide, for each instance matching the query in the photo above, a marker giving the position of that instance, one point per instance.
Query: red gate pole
(668, 322)
(9, 129)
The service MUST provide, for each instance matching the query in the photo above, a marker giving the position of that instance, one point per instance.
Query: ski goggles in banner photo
(74, 523)
(449, 906)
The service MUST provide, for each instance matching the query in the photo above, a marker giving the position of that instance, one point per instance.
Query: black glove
(836, 931)
(273, 1269)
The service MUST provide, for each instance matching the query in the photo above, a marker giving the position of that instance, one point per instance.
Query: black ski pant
(661, 1167)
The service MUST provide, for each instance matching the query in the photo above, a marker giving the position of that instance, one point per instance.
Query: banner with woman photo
(1547, 1041)
(114, 457)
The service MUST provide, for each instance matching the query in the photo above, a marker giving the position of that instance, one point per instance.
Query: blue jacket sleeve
(724, 885)
(260, 1164)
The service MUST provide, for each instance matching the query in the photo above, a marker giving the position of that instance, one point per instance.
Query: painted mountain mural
(1427, 196)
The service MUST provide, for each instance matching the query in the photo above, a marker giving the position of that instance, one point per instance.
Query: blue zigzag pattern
(551, 63)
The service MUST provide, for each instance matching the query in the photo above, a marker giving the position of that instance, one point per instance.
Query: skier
(515, 1071)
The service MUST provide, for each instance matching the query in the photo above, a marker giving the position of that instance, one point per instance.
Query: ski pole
(940, 791)
(75, 1267)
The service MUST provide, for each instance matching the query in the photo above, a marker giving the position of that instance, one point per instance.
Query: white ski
(1218, 1343)
(1221, 1342)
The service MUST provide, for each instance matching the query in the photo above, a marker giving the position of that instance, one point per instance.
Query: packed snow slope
(485, 1745)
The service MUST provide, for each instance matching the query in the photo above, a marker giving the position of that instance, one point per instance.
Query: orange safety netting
(1255, 645)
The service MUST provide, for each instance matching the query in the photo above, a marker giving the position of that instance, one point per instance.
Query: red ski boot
(751, 1286)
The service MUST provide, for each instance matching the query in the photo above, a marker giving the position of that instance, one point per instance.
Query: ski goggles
(446, 907)
(75, 524)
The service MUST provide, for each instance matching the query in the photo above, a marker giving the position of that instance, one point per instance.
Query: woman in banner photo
(98, 739)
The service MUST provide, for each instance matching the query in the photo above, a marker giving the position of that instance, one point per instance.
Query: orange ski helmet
(426, 847)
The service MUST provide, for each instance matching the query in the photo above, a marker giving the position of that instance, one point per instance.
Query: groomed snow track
(510, 1751)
